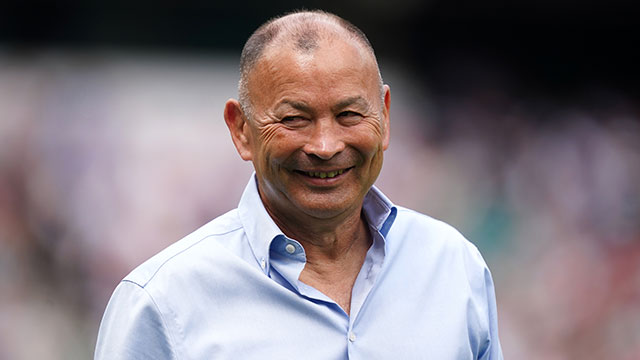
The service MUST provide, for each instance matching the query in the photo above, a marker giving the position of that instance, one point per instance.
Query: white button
(290, 248)
(352, 336)
(263, 263)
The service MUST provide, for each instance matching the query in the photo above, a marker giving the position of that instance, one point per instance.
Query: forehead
(336, 66)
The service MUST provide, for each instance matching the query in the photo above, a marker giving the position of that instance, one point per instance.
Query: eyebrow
(354, 100)
(298, 105)
(302, 106)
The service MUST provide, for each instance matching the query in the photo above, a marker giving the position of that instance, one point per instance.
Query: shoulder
(206, 241)
(429, 236)
(413, 223)
(436, 247)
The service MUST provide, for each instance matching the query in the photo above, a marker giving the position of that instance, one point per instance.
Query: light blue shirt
(230, 290)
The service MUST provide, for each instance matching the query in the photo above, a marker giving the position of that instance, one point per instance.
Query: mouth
(323, 174)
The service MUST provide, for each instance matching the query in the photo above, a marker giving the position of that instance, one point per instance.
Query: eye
(294, 121)
(349, 117)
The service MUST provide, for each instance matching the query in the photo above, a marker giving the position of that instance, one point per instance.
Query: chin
(326, 208)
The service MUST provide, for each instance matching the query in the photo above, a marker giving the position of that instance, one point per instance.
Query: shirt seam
(171, 337)
(159, 267)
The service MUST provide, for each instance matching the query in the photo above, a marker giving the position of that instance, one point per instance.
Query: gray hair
(304, 29)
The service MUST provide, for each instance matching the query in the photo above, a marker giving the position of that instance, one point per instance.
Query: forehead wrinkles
(333, 63)
(270, 78)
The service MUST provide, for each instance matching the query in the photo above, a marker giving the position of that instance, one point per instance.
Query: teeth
(323, 175)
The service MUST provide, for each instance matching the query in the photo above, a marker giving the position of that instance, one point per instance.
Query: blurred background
(517, 122)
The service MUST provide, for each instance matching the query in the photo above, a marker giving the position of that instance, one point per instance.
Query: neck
(328, 239)
(335, 251)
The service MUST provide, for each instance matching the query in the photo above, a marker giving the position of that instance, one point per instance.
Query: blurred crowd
(107, 157)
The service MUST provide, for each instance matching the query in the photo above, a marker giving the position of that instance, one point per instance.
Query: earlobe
(238, 128)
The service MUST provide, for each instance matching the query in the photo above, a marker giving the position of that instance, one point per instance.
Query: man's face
(318, 129)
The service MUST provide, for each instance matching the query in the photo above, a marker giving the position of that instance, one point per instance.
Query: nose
(325, 140)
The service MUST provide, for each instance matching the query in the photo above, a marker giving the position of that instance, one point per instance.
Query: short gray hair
(305, 29)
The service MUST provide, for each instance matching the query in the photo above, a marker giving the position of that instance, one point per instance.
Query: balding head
(299, 32)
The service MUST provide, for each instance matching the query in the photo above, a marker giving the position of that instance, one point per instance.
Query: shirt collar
(261, 229)
(379, 210)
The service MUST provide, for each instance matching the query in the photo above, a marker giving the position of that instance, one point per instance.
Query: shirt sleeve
(132, 327)
(482, 315)
(493, 350)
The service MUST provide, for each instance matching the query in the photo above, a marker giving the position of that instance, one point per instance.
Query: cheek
(276, 146)
(368, 140)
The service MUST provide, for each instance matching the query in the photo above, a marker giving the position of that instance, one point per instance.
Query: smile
(323, 174)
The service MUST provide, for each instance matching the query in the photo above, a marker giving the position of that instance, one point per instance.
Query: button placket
(352, 336)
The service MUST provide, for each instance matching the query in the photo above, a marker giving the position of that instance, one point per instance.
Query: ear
(238, 128)
(386, 116)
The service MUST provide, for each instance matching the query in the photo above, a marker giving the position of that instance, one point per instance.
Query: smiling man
(315, 262)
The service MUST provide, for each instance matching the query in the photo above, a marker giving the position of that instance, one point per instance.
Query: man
(315, 262)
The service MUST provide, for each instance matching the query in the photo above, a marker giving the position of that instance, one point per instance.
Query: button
(263, 263)
(352, 336)
(290, 248)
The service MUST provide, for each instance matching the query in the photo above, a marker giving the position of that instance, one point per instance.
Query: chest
(266, 321)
